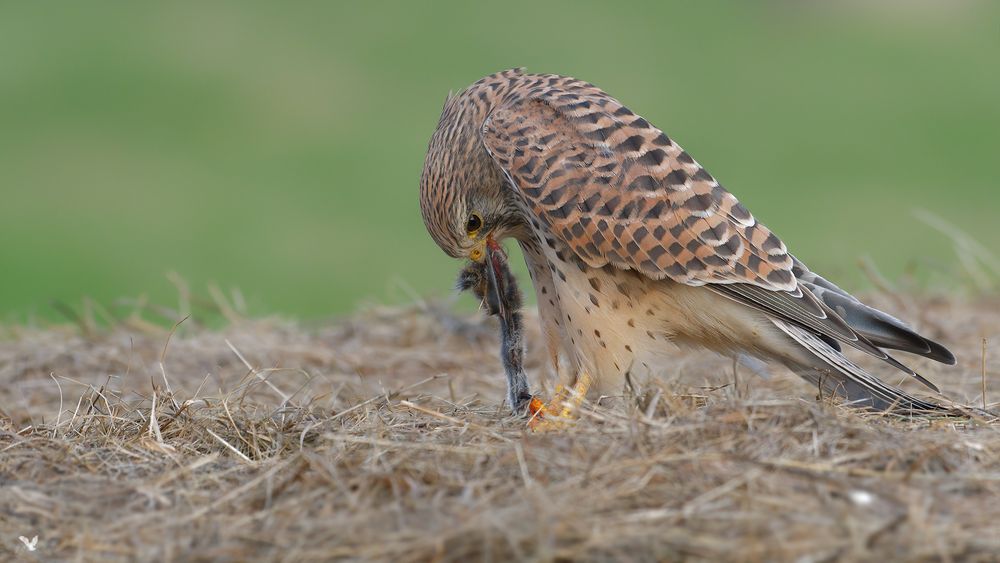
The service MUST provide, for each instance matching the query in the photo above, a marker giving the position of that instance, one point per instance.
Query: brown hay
(381, 437)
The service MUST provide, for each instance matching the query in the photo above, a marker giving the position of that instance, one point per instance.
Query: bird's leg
(563, 407)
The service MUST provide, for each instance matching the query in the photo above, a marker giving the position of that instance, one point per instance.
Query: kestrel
(634, 248)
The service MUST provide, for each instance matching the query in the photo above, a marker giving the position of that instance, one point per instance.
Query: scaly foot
(547, 417)
(562, 410)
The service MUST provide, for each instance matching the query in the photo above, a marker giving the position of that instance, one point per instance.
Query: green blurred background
(276, 147)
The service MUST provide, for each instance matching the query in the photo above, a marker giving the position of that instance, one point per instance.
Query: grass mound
(382, 437)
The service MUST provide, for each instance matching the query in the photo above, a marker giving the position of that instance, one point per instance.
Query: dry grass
(381, 438)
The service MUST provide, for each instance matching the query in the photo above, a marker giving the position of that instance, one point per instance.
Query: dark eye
(474, 223)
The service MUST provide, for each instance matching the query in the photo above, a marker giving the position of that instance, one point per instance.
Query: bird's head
(466, 207)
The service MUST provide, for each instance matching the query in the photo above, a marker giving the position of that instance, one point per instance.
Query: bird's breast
(611, 322)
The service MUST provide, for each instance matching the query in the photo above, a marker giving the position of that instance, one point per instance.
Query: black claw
(474, 278)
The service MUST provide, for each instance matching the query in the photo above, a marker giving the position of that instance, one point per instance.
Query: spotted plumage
(634, 247)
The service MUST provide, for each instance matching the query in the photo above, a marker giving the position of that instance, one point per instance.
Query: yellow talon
(562, 409)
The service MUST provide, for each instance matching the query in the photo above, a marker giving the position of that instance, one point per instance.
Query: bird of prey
(634, 248)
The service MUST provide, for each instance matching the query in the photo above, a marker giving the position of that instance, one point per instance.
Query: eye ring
(473, 224)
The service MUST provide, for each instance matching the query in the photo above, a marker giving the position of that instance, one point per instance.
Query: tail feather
(832, 372)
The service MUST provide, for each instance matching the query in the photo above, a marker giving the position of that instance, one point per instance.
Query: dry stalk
(220, 463)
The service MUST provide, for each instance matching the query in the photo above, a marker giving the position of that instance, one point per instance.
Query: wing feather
(881, 328)
(850, 380)
(618, 191)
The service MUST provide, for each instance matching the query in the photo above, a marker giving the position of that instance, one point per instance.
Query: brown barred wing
(619, 191)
